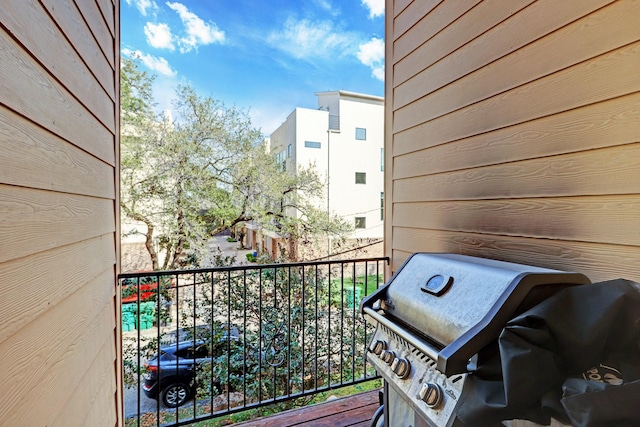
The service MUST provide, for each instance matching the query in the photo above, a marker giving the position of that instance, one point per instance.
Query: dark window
(334, 122)
(382, 206)
(361, 222)
(201, 351)
(290, 150)
(361, 178)
(185, 353)
(311, 144)
(361, 134)
(191, 353)
(281, 159)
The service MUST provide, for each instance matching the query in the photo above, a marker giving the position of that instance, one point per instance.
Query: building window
(311, 144)
(382, 159)
(361, 134)
(281, 159)
(382, 206)
(361, 222)
(361, 178)
(334, 122)
(290, 150)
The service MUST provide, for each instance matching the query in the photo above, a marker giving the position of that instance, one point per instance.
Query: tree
(204, 172)
(282, 202)
(139, 130)
(292, 329)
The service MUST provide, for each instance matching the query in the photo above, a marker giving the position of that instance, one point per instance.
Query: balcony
(263, 338)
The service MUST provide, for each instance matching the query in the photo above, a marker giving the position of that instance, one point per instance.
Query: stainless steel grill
(433, 316)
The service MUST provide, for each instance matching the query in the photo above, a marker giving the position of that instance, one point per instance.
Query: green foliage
(203, 172)
(173, 173)
(133, 359)
(272, 332)
(289, 338)
(127, 291)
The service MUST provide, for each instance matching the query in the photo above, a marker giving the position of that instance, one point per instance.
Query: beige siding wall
(513, 132)
(58, 213)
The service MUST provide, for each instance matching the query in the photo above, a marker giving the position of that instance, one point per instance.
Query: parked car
(171, 373)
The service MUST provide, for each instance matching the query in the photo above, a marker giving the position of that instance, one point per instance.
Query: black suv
(171, 373)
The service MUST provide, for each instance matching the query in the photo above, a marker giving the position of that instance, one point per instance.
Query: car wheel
(175, 395)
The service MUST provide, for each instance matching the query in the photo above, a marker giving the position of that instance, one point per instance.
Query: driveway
(219, 245)
(131, 403)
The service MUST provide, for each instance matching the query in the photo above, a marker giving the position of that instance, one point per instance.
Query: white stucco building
(344, 138)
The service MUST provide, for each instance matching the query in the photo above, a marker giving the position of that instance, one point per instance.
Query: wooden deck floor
(350, 411)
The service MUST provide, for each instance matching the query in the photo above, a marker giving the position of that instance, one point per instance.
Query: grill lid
(457, 304)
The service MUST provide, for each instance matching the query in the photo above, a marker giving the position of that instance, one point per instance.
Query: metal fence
(200, 344)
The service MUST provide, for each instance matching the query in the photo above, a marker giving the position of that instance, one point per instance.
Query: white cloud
(323, 4)
(376, 7)
(305, 39)
(153, 63)
(327, 6)
(159, 36)
(143, 5)
(371, 54)
(198, 32)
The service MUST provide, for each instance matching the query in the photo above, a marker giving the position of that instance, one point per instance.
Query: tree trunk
(179, 250)
(149, 245)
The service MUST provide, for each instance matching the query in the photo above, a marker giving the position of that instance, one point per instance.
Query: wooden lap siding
(59, 221)
(513, 133)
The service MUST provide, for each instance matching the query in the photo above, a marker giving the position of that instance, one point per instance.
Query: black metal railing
(222, 340)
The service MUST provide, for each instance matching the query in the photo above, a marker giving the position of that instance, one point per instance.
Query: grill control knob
(401, 367)
(378, 346)
(431, 394)
(387, 356)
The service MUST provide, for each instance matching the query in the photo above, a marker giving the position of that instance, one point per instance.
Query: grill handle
(406, 335)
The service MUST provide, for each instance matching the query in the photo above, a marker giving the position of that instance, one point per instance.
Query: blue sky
(265, 56)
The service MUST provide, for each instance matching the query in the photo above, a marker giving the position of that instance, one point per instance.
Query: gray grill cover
(574, 356)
